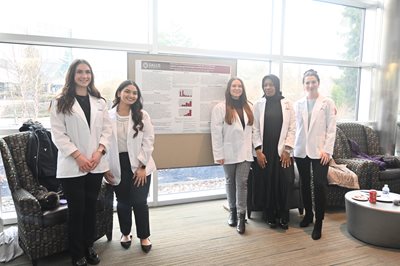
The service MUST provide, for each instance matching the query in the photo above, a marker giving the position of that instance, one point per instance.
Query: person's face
(128, 95)
(83, 76)
(236, 89)
(311, 85)
(269, 88)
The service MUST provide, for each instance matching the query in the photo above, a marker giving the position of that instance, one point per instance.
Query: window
(33, 75)
(190, 182)
(252, 72)
(78, 19)
(218, 25)
(321, 30)
(340, 83)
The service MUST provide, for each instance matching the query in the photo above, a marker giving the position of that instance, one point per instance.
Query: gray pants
(236, 176)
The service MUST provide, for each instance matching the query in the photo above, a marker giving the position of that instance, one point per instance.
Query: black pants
(81, 194)
(320, 182)
(129, 197)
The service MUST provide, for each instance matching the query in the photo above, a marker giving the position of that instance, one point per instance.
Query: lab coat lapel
(94, 110)
(304, 113)
(76, 108)
(113, 117)
(262, 114)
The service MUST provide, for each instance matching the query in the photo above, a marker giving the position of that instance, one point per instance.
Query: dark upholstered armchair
(43, 233)
(368, 141)
(342, 155)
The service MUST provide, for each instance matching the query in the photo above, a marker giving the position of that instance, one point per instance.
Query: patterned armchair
(368, 141)
(342, 155)
(43, 233)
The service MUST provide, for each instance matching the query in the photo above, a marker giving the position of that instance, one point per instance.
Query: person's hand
(285, 159)
(96, 157)
(325, 158)
(84, 164)
(221, 162)
(109, 177)
(139, 177)
(261, 159)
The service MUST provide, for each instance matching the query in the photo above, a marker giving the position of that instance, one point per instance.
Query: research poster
(180, 96)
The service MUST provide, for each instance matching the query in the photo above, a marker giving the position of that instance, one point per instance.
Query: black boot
(308, 219)
(241, 226)
(316, 233)
(232, 219)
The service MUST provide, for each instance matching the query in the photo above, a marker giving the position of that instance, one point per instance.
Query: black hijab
(277, 84)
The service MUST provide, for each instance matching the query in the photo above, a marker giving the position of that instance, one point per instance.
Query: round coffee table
(374, 223)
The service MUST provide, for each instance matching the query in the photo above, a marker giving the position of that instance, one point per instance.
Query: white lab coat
(230, 142)
(320, 137)
(71, 132)
(140, 148)
(288, 129)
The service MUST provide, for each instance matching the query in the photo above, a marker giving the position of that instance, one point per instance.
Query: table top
(378, 206)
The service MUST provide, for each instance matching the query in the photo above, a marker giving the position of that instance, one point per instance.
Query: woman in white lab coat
(231, 132)
(131, 162)
(273, 138)
(315, 138)
(81, 130)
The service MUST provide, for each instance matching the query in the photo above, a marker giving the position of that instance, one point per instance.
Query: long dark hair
(230, 109)
(66, 98)
(136, 108)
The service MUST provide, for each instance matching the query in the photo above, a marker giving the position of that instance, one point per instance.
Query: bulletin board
(179, 93)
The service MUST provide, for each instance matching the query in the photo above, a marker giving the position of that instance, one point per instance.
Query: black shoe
(308, 219)
(241, 226)
(80, 262)
(92, 257)
(284, 224)
(271, 223)
(232, 219)
(146, 248)
(126, 244)
(316, 233)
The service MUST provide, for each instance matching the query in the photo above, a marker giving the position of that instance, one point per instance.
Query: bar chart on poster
(179, 93)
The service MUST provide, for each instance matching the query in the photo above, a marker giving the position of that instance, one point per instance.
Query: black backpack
(42, 155)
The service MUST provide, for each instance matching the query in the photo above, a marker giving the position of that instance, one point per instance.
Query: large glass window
(322, 30)
(340, 83)
(123, 21)
(252, 72)
(32, 75)
(227, 25)
(190, 182)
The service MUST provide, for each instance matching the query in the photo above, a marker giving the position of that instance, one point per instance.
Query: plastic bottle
(385, 190)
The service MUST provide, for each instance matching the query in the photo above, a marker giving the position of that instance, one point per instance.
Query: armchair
(43, 233)
(368, 141)
(342, 155)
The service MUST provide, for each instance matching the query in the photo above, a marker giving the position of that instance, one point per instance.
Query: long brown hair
(230, 109)
(66, 98)
(136, 108)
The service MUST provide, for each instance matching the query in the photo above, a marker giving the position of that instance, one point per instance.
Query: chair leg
(301, 211)
(109, 236)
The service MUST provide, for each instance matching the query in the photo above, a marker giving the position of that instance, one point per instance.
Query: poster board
(179, 93)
